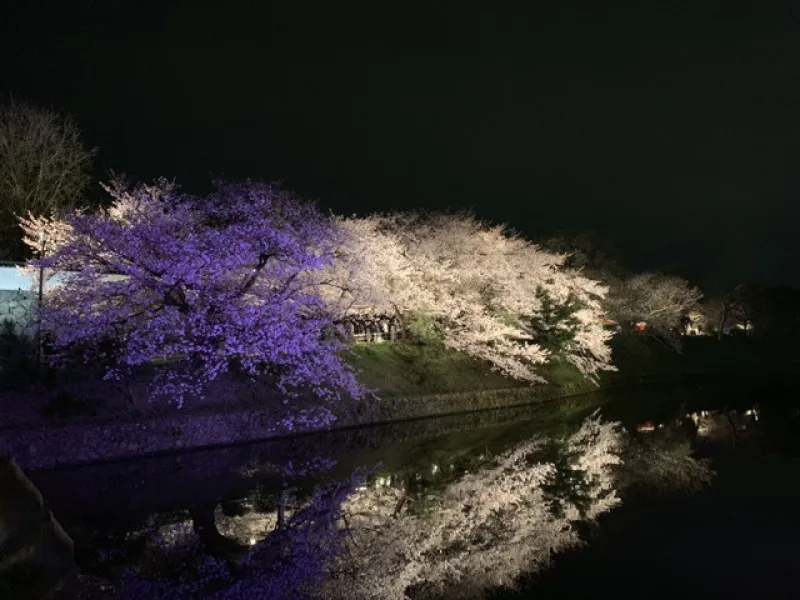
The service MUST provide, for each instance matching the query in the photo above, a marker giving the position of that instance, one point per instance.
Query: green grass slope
(408, 369)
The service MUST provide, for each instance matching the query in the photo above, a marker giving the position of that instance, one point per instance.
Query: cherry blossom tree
(660, 301)
(203, 285)
(484, 288)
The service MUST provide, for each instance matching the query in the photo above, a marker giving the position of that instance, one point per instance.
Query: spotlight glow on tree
(208, 284)
(487, 292)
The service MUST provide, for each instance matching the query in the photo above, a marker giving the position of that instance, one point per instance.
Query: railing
(366, 329)
(375, 338)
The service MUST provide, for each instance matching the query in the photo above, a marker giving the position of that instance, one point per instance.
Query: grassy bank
(414, 380)
(404, 370)
(398, 370)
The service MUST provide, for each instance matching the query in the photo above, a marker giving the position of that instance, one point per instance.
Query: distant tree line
(669, 305)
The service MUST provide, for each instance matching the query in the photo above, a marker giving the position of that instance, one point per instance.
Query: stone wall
(69, 444)
(16, 307)
(74, 443)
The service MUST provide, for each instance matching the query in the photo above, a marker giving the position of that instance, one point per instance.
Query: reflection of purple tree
(202, 285)
(290, 563)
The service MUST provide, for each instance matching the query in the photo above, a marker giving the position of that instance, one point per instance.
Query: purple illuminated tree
(196, 286)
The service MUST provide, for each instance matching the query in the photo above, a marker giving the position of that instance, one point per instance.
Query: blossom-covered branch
(204, 284)
(483, 288)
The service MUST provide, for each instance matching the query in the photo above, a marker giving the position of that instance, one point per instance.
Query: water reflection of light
(706, 421)
(700, 420)
(175, 534)
(247, 529)
(752, 412)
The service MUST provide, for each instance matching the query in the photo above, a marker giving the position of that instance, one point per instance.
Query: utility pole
(39, 348)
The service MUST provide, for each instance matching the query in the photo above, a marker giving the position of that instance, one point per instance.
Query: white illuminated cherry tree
(660, 301)
(483, 287)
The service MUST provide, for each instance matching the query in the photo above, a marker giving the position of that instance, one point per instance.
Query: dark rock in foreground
(36, 555)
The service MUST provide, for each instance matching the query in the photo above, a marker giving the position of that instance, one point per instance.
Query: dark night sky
(673, 131)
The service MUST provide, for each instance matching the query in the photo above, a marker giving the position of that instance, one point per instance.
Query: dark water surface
(738, 538)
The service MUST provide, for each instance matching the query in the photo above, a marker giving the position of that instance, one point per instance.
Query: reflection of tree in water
(433, 532)
(484, 529)
(663, 461)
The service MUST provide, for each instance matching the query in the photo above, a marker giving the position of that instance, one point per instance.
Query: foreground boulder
(36, 554)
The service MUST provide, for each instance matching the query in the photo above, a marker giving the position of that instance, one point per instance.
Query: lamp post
(42, 245)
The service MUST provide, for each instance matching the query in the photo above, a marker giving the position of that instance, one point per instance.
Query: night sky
(673, 131)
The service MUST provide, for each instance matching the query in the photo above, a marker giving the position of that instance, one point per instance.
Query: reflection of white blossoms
(247, 529)
(175, 535)
(484, 530)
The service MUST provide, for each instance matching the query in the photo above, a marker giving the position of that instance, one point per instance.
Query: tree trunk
(205, 526)
(281, 522)
(722, 320)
